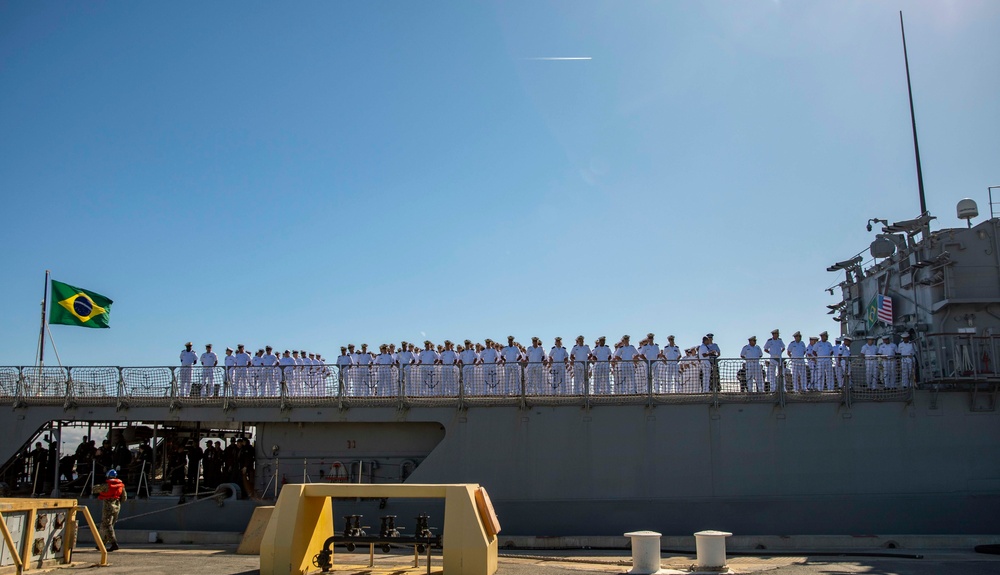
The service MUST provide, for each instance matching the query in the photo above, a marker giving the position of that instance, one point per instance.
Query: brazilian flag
(75, 306)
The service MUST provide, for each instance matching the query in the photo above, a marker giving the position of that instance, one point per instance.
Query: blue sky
(319, 173)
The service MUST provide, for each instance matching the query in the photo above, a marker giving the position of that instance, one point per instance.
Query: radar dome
(882, 247)
(967, 209)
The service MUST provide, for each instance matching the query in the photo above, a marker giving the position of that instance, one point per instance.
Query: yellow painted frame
(303, 520)
(22, 557)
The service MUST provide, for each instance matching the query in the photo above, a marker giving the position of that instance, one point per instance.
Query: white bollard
(645, 552)
(711, 547)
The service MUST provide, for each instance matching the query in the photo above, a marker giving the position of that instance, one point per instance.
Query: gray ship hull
(927, 466)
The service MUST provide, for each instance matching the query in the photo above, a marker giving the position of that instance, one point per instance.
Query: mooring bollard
(711, 548)
(645, 552)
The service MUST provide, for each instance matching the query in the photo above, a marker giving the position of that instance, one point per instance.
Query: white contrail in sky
(561, 58)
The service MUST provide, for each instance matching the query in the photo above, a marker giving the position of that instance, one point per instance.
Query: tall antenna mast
(913, 121)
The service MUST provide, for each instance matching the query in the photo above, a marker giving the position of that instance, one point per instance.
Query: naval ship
(599, 448)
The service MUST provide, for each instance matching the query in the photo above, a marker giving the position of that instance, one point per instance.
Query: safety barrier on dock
(40, 533)
(300, 536)
(583, 383)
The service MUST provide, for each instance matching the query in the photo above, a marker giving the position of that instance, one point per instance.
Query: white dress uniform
(489, 359)
(470, 382)
(797, 352)
(579, 356)
(364, 384)
(690, 369)
(625, 375)
(649, 368)
(208, 362)
(842, 365)
(773, 348)
(405, 359)
(271, 375)
(344, 363)
(755, 376)
(887, 351)
(824, 365)
(449, 373)
(511, 370)
(906, 352)
(869, 351)
(536, 369)
(230, 362)
(287, 367)
(242, 365)
(706, 367)
(427, 359)
(559, 356)
(811, 361)
(188, 359)
(256, 377)
(602, 370)
(384, 384)
(671, 355)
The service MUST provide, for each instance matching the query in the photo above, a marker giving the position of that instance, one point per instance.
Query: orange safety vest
(114, 492)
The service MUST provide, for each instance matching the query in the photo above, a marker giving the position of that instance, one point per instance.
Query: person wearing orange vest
(112, 493)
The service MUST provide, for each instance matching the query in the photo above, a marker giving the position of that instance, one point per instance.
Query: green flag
(75, 306)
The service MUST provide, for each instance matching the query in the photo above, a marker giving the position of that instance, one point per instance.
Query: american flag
(885, 309)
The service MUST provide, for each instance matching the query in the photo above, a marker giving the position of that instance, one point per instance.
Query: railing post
(524, 384)
(461, 386)
(649, 383)
(781, 382)
(122, 397)
(19, 388)
(586, 384)
(283, 394)
(174, 402)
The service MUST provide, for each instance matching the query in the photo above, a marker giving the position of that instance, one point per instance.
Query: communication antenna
(913, 120)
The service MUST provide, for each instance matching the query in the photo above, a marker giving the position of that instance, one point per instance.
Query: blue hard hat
(112, 473)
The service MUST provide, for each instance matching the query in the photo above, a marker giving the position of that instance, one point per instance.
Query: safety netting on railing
(9, 377)
(94, 382)
(688, 380)
(44, 384)
(147, 385)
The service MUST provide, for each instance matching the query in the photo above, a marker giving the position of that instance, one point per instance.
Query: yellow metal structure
(303, 520)
(26, 553)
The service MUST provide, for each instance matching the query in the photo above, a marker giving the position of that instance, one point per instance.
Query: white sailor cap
(710, 335)
(229, 349)
(906, 335)
(848, 338)
(188, 344)
(797, 334)
(887, 337)
(775, 330)
(752, 337)
(650, 335)
(670, 337)
(812, 337)
(824, 333)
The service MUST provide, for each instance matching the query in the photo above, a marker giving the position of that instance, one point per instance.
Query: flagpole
(41, 335)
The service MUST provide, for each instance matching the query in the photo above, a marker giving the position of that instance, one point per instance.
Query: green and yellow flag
(75, 306)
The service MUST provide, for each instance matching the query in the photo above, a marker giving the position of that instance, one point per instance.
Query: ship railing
(588, 383)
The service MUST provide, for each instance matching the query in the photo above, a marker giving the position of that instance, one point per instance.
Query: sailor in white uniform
(188, 359)
(906, 352)
(256, 376)
(869, 351)
(427, 361)
(751, 354)
(208, 362)
(797, 353)
(626, 360)
(404, 359)
(706, 355)
(887, 353)
(365, 383)
(344, 363)
(271, 374)
(535, 370)
(242, 365)
(558, 361)
(449, 370)
(602, 367)
(649, 354)
(287, 365)
(811, 362)
(774, 347)
(579, 356)
(671, 356)
(510, 358)
(384, 384)
(469, 359)
(230, 362)
(823, 351)
(844, 364)
(489, 358)
(690, 369)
